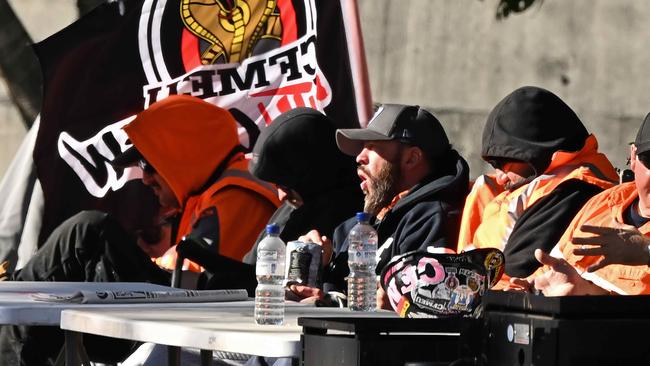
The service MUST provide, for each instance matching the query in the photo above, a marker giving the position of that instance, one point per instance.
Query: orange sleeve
(243, 214)
(565, 245)
(484, 190)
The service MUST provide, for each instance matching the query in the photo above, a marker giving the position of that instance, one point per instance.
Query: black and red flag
(257, 58)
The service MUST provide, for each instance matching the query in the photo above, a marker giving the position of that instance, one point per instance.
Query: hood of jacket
(450, 183)
(185, 139)
(298, 150)
(530, 125)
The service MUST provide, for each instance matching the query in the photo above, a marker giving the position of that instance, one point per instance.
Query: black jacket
(323, 213)
(428, 216)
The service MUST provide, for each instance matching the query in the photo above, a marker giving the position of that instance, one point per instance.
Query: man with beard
(414, 185)
(547, 166)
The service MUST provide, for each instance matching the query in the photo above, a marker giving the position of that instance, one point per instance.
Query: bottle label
(266, 269)
(267, 255)
(267, 263)
(364, 256)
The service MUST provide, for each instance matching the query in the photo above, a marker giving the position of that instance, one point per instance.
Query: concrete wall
(41, 18)
(455, 58)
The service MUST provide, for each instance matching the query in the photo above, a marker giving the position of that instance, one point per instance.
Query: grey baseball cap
(408, 124)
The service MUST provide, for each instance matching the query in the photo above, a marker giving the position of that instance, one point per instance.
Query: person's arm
(561, 279)
(233, 221)
(623, 244)
(542, 225)
(431, 226)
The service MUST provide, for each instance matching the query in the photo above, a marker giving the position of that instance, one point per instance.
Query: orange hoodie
(489, 216)
(186, 139)
(606, 209)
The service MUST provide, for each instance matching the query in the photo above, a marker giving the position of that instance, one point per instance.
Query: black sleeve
(335, 273)
(424, 228)
(206, 228)
(542, 225)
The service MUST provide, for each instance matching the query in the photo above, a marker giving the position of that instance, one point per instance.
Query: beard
(512, 185)
(381, 188)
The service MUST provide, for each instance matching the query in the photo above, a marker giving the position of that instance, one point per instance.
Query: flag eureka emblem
(235, 31)
(255, 58)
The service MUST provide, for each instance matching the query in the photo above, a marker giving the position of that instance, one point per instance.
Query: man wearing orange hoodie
(190, 156)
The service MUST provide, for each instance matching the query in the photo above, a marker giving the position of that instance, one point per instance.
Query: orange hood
(184, 139)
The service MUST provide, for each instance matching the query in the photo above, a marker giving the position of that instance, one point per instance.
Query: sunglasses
(146, 166)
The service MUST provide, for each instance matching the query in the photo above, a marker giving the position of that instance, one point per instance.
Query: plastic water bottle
(269, 293)
(362, 260)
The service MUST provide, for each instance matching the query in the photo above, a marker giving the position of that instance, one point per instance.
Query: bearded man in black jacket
(414, 184)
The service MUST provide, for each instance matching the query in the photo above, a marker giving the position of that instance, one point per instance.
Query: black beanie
(530, 125)
(298, 150)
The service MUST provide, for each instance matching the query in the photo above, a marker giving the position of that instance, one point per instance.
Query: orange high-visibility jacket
(606, 209)
(186, 139)
(241, 206)
(490, 214)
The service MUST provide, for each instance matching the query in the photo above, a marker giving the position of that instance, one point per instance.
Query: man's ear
(412, 157)
(632, 157)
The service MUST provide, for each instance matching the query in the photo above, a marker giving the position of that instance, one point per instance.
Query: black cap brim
(642, 141)
(350, 141)
(128, 158)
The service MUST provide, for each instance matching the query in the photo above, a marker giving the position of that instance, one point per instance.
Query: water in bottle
(269, 293)
(362, 252)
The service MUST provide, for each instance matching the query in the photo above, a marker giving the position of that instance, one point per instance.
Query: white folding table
(226, 327)
(18, 307)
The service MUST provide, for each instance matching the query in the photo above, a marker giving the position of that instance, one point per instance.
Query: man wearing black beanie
(546, 167)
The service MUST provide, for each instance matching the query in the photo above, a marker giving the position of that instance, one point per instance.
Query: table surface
(227, 326)
(18, 307)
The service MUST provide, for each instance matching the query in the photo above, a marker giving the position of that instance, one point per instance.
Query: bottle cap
(363, 217)
(272, 229)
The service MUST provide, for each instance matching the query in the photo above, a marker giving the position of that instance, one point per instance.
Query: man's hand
(155, 240)
(624, 244)
(382, 299)
(304, 294)
(326, 244)
(521, 284)
(562, 279)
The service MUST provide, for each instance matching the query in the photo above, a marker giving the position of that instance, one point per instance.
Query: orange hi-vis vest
(264, 196)
(606, 209)
(490, 215)
(483, 191)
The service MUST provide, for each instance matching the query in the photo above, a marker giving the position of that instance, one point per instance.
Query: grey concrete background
(454, 58)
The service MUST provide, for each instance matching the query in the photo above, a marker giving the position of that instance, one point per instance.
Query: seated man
(616, 259)
(547, 166)
(189, 153)
(414, 185)
(318, 183)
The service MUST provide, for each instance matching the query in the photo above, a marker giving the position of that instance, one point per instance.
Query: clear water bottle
(269, 293)
(362, 260)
